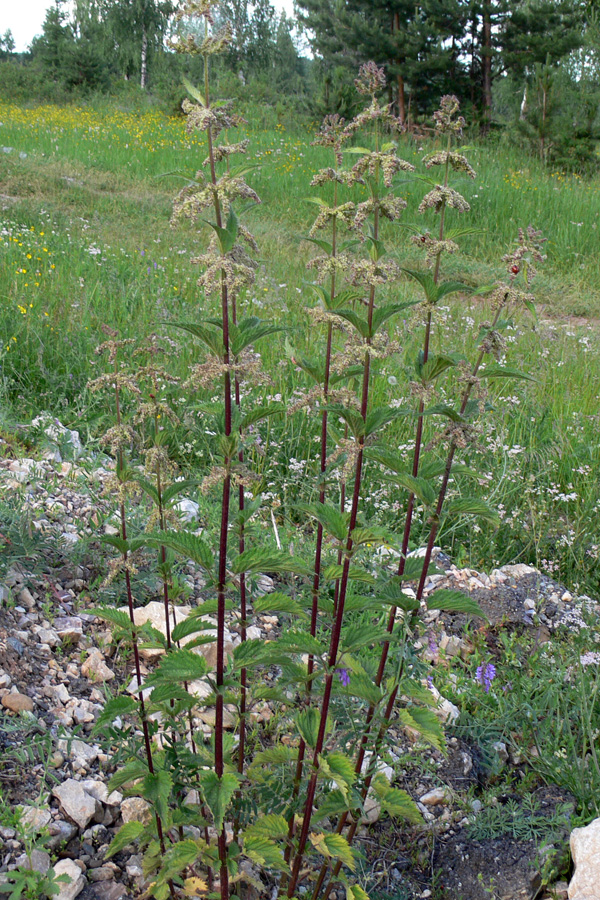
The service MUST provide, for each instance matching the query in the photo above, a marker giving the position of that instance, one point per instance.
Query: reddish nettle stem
(339, 614)
(332, 659)
(134, 638)
(319, 540)
(163, 554)
(243, 593)
(323, 459)
(446, 476)
(411, 499)
(223, 533)
(419, 433)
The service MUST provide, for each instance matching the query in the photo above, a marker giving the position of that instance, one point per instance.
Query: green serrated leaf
(442, 409)
(264, 852)
(371, 534)
(114, 708)
(113, 540)
(383, 313)
(364, 688)
(178, 487)
(396, 802)
(358, 322)
(341, 768)
(132, 771)
(271, 826)
(275, 756)
(187, 544)
(355, 573)
(248, 332)
(360, 635)
(218, 793)
(453, 287)
(299, 641)
(419, 486)
(179, 665)
(307, 722)
(333, 521)
(252, 653)
(355, 892)
(425, 722)
(114, 616)
(169, 691)
(334, 846)
(436, 365)
(454, 601)
(333, 804)
(471, 506)
(156, 789)
(177, 858)
(380, 417)
(126, 835)
(325, 246)
(192, 624)
(209, 337)
(503, 372)
(277, 603)
(427, 282)
(193, 91)
(257, 560)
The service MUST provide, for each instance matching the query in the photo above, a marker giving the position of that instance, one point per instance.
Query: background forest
(528, 69)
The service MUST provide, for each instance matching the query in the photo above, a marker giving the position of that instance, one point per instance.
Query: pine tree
(418, 44)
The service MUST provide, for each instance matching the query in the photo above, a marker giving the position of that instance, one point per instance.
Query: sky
(25, 18)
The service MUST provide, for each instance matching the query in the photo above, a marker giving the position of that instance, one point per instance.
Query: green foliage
(125, 836)
(455, 601)
(179, 665)
(218, 792)
(396, 802)
(29, 884)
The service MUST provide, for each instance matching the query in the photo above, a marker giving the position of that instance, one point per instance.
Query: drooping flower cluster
(371, 79)
(458, 162)
(332, 134)
(446, 118)
(442, 196)
(526, 253)
(432, 246)
(343, 213)
(385, 162)
(189, 42)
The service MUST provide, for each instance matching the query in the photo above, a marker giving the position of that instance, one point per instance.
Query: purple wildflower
(485, 674)
(344, 676)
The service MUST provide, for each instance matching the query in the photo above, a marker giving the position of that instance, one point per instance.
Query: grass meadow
(85, 240)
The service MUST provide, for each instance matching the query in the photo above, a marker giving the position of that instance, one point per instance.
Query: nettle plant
(278, 807)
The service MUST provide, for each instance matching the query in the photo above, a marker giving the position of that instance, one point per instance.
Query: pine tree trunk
(401, 100)
(486, 62)
(144, 66)
(400, 79)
